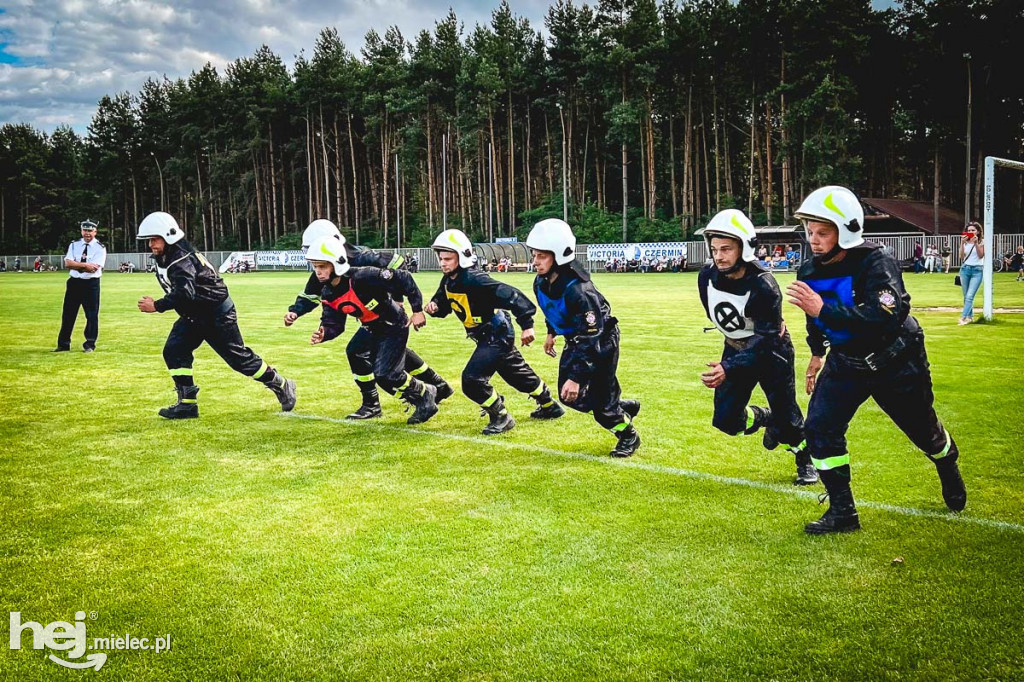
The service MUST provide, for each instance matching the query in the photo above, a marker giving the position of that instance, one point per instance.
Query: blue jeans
(970, 280)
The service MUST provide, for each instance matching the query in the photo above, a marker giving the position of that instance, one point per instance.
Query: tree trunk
(718, 155)
(770, 197)
(753, 147)
(431, 191)
(547, 144)
(672, 163)
(787, 189)
(935, 190)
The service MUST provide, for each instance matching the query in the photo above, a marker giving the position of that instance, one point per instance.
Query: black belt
(877, 360)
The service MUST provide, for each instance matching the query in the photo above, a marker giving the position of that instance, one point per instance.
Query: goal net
(991, 163)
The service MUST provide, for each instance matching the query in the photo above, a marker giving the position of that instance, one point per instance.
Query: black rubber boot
(630, 407)
(762, 415)
(551, 411)
(629, 442)
(841, 516)
(444, 391)
(366, 412)
(501, 420)
(284, 389)
(954, 493)
(806, 474)
(186, 407)
(424, 398)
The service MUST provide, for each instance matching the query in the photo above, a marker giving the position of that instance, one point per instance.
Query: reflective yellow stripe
(750, 417)
(619, 427)
(419, 370)
(831, 462)
(188, 401)
(363, 377)
(945, 450)
(263, 370)
(396, 262)
(537, 391)
(490, 401)
(181, 372)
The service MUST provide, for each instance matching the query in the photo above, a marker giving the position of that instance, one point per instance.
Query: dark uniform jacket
(367, 294)
(574, 308)
(358, 257)
(479, 301)
(748, 312)
(866, 305)
(192, 286)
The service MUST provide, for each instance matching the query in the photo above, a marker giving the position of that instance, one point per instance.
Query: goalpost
(990, 194)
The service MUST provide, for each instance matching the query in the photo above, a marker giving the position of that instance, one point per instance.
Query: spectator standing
(932, 261)
(918, 258)
(972, 268)
(84, 260)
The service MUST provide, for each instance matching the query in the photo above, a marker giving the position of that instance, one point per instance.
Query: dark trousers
(903, 390)
(383, 352)
(220, 330)
(497, 356)
(362, 350)
(775, 373)
(602, 393)
(85, 294)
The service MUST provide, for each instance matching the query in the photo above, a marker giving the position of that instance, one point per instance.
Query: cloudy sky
(58, 57)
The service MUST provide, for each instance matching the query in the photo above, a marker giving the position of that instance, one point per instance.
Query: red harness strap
(349, 304)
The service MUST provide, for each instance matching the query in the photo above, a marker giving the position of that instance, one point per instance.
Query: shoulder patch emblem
(591, 318)
(386, 274)
(887, 299)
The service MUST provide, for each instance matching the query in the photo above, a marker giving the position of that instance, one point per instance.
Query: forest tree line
(657, 115)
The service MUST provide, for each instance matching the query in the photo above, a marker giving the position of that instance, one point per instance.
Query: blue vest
(555, 311)
(836, 290)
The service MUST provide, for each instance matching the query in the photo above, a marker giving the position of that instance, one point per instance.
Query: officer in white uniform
(84, 260)
(744, 303)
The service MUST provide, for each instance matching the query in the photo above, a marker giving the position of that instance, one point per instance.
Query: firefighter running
(367, 294)
(745, 304)
(482, 304)
(858, 310)
(360, 347)
(574, 308)
(206, 312)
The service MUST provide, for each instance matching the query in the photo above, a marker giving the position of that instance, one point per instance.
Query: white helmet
(160, 224)
(329, 250)
(839, 206)
(556, 236)
(320, 228)
(733, 223)
(457, 241)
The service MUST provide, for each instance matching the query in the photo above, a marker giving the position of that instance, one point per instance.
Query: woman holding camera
(971, 269)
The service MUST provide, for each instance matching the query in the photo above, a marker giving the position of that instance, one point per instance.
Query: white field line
(792, 491)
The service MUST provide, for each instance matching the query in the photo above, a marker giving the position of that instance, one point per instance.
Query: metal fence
(901, 246)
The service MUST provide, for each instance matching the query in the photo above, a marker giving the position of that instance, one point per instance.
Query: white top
(94, 253)
(971, 256)
(729, 313)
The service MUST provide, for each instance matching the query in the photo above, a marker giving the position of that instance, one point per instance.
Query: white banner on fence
(281, 258)
(602, 252)
(237, 258)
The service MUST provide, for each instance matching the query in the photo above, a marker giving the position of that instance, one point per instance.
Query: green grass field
(273, 547)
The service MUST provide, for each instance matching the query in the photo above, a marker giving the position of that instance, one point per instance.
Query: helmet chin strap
(826, 257)
(733, 268)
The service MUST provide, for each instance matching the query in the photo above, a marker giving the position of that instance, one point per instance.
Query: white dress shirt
(94, 253)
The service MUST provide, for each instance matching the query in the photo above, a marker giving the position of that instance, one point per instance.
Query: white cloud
(72, 52)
